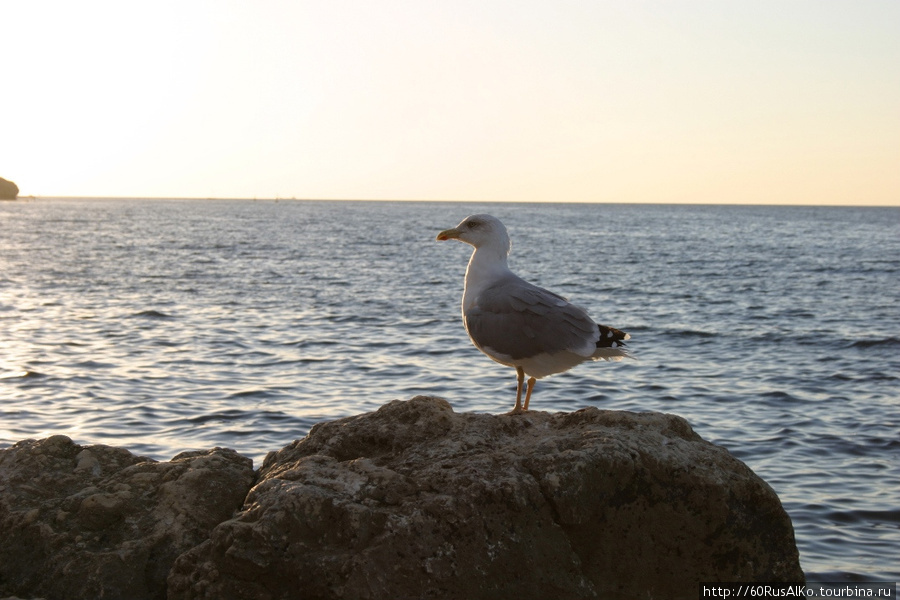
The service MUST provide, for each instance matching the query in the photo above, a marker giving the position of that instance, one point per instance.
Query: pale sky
(717, 101)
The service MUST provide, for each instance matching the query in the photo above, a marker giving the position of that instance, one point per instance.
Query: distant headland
(8, 190)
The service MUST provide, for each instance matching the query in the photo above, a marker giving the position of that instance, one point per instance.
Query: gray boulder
(416, 501)
(8, 190)
(100, 522)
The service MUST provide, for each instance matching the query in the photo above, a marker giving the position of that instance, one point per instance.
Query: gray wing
(521, 320)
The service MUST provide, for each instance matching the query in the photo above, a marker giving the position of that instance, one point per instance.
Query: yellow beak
(449, 234)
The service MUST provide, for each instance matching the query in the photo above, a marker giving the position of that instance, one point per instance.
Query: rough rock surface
(416, 501)
(100, 522)
(8, 190)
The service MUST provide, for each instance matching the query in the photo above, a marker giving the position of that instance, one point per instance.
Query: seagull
(519, 324)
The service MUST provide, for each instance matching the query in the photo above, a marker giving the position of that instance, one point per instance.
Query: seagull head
(479, 231)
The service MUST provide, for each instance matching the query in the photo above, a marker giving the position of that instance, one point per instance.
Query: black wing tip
(611, 337)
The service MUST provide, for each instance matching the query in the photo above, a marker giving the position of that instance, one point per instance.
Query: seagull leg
(528, 395)
(520, 379)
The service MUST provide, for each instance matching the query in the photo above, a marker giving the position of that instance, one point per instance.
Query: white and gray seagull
(519, 324)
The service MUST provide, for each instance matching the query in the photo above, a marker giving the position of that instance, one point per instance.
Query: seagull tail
(611, 354)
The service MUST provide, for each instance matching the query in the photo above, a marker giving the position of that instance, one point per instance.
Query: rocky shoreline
(410, 501)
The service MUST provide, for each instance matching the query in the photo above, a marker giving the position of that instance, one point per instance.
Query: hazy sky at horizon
(794, 102)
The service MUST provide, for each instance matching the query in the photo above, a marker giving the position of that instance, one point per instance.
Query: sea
(170, 325)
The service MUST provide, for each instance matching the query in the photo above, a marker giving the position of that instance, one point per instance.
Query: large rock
(99, 522)
(8, 190)
(416, 501)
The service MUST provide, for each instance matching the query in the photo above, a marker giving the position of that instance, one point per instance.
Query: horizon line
(441, 200)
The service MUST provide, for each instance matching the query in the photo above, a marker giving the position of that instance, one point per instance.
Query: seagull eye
(472, 224)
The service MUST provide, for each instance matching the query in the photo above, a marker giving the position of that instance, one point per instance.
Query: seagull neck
(486, 264)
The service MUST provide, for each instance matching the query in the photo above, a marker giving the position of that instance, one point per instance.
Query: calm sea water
(165, 325)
